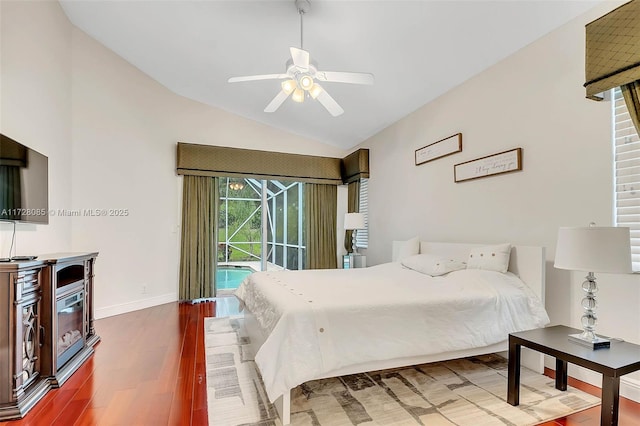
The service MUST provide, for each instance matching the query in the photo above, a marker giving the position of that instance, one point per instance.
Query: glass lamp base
(593, 343)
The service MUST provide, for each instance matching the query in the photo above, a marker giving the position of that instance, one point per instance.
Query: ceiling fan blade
(329, 103)
(345, 77)
(276, 102)
(300, 58)
(257, 77)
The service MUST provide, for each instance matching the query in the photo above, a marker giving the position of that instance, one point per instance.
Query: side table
(620, 359)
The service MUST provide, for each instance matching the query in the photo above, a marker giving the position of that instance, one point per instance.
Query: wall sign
(502, 162)
(439, 149)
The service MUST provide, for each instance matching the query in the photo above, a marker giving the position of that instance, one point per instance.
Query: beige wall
(125, 129)
(534, 99)
(110, 133)
(35, 109)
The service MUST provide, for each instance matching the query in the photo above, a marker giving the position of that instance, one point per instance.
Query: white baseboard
(629, 388)
(136, 305)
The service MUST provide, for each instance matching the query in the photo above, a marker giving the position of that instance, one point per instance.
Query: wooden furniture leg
(513, 388)
(610, 400)
(561, 374)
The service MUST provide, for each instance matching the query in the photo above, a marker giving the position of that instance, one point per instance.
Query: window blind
(626, 145)
(362, 236)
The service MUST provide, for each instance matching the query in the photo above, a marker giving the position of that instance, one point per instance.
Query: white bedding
(322, 320)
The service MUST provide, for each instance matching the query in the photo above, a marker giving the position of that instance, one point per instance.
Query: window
(362, 236)
(626, 145)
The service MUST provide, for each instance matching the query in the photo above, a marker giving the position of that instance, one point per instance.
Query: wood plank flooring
(149, 370)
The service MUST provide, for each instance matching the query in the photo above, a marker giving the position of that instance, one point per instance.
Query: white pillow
(432, 264)
(490, 258)
(403, 249)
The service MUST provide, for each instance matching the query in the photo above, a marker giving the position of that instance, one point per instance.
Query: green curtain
(353, 205)
(631, 93)
(320, 205)
(200, 205)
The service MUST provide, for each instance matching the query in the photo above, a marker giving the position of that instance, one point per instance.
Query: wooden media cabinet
(47, 332)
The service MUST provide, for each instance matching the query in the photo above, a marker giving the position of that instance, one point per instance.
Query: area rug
(469, 391)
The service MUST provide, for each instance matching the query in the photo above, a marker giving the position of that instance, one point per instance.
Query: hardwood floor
(149, 369)
(629, 412)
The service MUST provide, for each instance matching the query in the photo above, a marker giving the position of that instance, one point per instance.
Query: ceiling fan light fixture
(302, 76)
(298, 95)
(288, 86)
(315, 91)
(306, 82)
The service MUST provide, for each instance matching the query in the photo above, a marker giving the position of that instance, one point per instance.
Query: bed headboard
(527, 262)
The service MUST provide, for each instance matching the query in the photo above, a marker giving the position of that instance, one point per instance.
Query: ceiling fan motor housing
(303, 6)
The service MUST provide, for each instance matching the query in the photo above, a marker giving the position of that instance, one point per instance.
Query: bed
(307, 325)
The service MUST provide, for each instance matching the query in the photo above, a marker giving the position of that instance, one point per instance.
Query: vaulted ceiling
(417, 50)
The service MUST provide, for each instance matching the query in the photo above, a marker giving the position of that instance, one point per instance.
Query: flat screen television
(24, 183)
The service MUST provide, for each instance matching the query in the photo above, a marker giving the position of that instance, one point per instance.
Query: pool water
(229, 278)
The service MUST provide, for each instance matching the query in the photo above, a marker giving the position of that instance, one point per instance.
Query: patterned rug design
(469, 391)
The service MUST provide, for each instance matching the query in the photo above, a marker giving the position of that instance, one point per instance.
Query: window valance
(613, 50)
(355, 166)
(208, 160)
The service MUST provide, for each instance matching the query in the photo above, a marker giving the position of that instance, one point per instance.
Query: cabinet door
(30, 341)
(27, 337)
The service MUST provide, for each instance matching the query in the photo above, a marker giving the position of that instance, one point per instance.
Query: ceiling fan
(301, 80)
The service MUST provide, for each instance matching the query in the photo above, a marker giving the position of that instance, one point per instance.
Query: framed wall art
(439, 149)
(495, 164)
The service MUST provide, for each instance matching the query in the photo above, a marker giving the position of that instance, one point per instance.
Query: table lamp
(353, 222)
(593, 249)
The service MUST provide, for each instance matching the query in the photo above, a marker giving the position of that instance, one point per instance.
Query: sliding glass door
(285, 225)
(239, 221)
(260, 224)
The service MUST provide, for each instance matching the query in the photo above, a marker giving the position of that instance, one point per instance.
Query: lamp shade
(594, 249)
(354, 221)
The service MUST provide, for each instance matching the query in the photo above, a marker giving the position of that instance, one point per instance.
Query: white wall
(110, 133)
(533, 100)
(35, 109)
(125, 130)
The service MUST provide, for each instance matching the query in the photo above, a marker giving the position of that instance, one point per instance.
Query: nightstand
(621, 358)
(351, 261)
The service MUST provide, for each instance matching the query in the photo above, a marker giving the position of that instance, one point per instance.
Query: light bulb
(288, 86)
(236, 186)
(315, 91)
(306, 82)
(298, 95)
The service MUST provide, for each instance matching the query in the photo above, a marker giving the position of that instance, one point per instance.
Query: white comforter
(322, 320)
